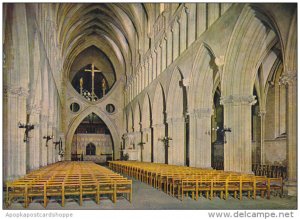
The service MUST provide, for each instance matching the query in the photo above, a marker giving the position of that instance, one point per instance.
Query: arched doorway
(90, 149)
(92, 141)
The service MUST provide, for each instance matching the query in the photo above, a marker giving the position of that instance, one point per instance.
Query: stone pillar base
(291, 187)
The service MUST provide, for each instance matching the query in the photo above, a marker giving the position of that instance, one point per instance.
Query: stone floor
(147, 198)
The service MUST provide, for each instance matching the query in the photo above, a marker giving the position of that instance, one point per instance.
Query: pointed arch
(159, 105)
(201, 88)
(245, 49)
(74, 124)
(175, 106)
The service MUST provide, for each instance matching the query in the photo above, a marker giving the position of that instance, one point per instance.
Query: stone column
(34, 140)
(147, 146)
(262, 115)
(49, 144)
(237, 116)
(54, 150)
(176, 150)
(191, 22)
(289, 79)
(14, 148)
(201, 18)
(183, 32)
(158, 145)
(154, 63)
(158, 60)
(176, 38)
(164, 54)
(169, 46)
(62, 156)
(146, 72)
(43, 132)
(200, 138)
(150, 69)
(137, 141)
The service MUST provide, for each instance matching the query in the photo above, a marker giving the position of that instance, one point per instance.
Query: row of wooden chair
(179, 181)
(69, 179)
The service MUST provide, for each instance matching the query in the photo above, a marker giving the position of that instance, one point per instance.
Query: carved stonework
(158, 125)
(288, 78)
(187, 10)
(202, 113)
(236, 100)
(186, 82)
(261, 113)
(146, 130)
(34, 109)
(175, 120)
(219, 61)
(15, 91)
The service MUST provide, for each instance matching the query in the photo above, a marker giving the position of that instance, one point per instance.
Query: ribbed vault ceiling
(115, 29)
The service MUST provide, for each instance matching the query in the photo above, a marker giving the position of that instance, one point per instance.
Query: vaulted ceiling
(117, 30)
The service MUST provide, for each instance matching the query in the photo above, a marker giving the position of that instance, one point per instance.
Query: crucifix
(93, 70)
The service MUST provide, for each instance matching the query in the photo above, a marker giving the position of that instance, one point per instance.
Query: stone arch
(176, 129)
(201, 80)
(159, 105)
(174, 105)
(200, 107)
(74, 124)
(290, 58)
(248, 44)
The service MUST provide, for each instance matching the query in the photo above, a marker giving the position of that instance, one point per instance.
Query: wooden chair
(106, 187)
(188, 186)
(247, 185)
(260, 186)
(233, 185)
(36, 189)
(275, 185)
(205, 184)
(123, 187)
(219, 185)
(16, 190)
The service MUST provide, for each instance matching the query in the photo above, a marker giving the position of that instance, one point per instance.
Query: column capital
(220, 61)
(288, 78)
(187, 10)
(34, 109)
(202, 113)
(237, 100)
(178, 17)
(172, 27)
(185, 82)
(175, 120)
(15, 91)
(262, 113)
(148, 129)
(157, 125)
